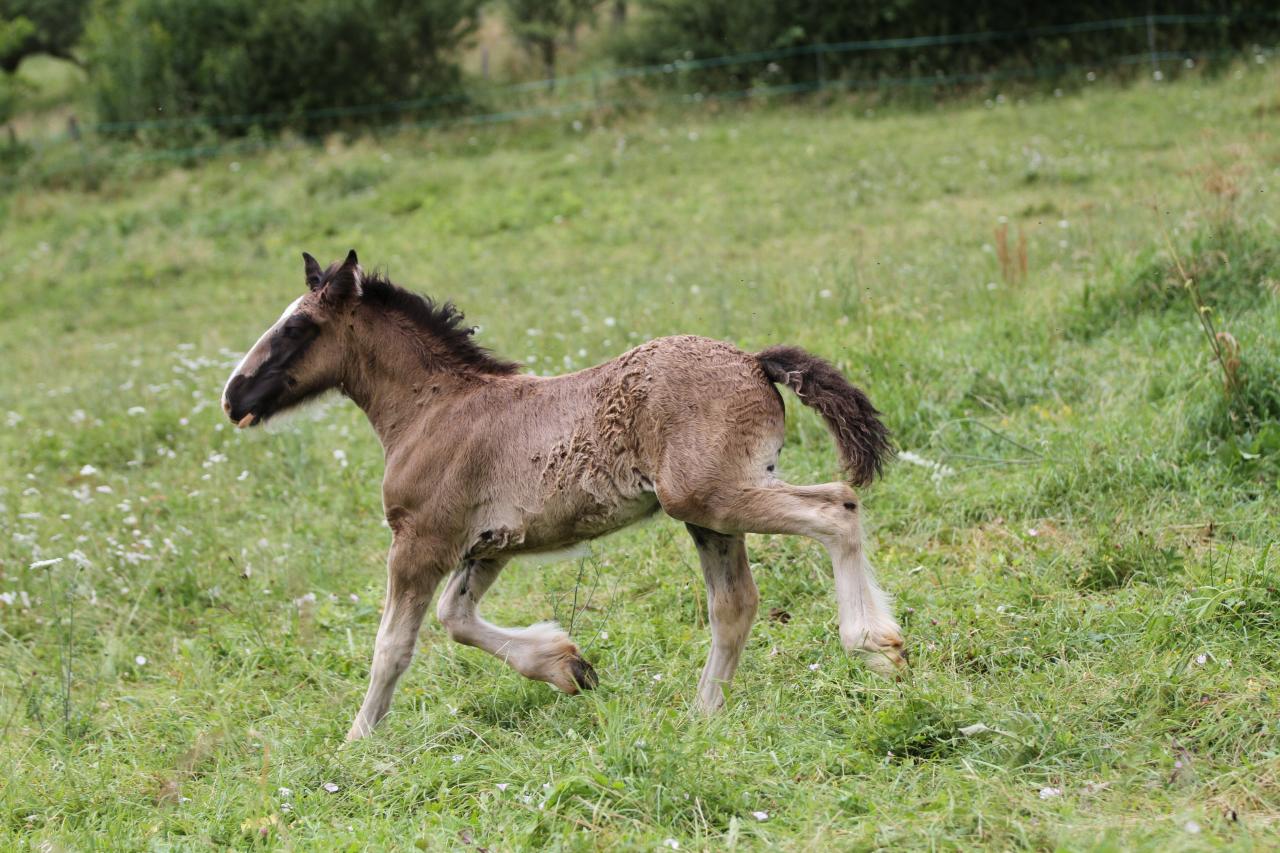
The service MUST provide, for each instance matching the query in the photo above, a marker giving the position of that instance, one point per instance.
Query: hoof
(891, 663)
(584, 674)
(884, 654)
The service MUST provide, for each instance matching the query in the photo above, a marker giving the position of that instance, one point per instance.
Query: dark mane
(443, 321)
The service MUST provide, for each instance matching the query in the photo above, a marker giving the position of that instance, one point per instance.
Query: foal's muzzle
(238, 403)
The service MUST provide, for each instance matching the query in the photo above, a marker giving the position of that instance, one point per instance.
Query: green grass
(1091, 577)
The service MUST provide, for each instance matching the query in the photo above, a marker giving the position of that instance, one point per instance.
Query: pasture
(1079, 533)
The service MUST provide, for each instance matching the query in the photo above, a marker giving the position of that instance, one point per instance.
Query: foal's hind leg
(731, 606)
(827, 513)
(542, 652)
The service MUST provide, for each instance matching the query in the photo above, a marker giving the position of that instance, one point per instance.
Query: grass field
(1080, 537)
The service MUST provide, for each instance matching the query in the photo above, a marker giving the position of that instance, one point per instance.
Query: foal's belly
(565, 520)
(587, 519)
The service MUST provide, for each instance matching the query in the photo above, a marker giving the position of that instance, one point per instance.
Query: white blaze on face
(258, 352)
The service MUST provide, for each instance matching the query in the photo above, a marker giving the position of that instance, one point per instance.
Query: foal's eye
(292, 332)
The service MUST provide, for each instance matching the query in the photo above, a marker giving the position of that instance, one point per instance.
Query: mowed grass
(1082, 552)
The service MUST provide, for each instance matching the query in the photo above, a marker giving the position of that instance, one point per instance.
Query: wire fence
(667, 83)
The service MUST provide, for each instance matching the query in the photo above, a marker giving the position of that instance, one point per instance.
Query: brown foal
(484, 464)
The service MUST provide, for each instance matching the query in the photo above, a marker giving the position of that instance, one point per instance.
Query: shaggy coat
(484, 464)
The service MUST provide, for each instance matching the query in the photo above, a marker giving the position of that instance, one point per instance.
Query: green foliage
(39, 26)
(1234, 266)
(269, 62)
(1115, 561)
(672, 30)
(541, 24)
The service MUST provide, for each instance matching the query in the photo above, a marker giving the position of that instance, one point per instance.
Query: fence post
(77, 138)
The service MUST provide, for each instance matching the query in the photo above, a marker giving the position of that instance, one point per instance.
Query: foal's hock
(484, 463)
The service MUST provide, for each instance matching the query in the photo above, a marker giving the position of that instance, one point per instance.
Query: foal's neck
(395, 372)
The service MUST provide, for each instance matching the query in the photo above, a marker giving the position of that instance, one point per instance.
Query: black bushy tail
(863, 441)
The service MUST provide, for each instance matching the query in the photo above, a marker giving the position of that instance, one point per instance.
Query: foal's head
(301, 355)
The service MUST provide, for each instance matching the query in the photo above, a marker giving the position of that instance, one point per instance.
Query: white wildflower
(813, 667)
(341, 456)
(88, 471)
(284, 792)
(609, 321)
(457, 758)
(331, 787)
(1192, 827)
(137, 410)
(938, 470)
(1048, 793)
(672, 843)
(502, 786)
(44, 564)
(760, 816)
(140, 660)
(8, 598)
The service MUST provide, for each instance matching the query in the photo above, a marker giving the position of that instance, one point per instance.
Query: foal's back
(583, 454)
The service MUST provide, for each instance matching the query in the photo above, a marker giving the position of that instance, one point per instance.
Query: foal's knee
(454, 617)
(395, 654)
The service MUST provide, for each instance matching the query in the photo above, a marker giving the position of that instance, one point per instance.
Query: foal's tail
(863, 441)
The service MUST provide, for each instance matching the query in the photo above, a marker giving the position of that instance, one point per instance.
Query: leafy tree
(279, 61)
(541, 24)
(39, 26)
(12, 32)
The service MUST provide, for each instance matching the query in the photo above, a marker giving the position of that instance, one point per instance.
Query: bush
(28, 27)
(268, 63)
(673, 30)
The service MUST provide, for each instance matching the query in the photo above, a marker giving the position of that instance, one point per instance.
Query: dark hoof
(584, 674)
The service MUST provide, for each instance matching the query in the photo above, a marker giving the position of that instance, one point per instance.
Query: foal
(484, 464)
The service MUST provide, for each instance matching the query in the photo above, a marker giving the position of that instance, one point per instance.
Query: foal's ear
(345, 283)
(313, 271)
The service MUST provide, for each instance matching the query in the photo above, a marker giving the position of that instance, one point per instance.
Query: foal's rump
(716, 405)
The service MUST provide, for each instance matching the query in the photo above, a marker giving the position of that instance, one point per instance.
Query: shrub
(268, 63)
(672, 30)
(29, 27)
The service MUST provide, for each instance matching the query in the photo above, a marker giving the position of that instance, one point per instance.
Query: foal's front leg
(414, 567)
(542, 652)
